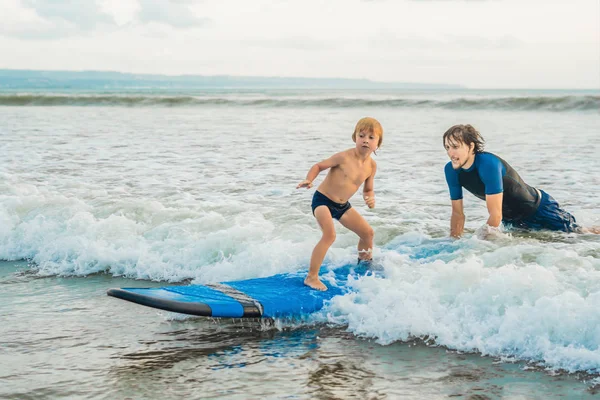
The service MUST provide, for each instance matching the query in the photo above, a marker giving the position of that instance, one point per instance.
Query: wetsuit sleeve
(454, 186)
(491, 171)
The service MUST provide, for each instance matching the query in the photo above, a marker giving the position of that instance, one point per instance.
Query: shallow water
(96, 197)
(70, 340)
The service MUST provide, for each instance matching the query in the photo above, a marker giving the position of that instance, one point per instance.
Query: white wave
(526, 311)
(207, 194)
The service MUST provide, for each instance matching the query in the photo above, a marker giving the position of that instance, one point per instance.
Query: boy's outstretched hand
(305, 183)
(370, 201)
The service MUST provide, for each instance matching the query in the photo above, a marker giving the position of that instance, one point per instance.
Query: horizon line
(456, 86)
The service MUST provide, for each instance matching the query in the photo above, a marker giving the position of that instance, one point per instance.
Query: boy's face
(461, 155)
(366, 141)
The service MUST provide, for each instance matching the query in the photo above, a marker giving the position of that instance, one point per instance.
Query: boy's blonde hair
(369, 125)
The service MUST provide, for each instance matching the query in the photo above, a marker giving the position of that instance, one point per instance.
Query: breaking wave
(533, 103)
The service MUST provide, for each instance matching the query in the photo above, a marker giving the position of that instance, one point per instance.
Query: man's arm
(368, 192)
(457, 220)
(494, 206)
(491, 172)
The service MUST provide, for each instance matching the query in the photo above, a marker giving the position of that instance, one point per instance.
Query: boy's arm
(368, 192)
(316, 169)
(457, 220)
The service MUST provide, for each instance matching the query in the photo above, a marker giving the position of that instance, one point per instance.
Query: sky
(476, 43)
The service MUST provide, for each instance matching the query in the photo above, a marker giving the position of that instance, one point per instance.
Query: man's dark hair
(464, 134)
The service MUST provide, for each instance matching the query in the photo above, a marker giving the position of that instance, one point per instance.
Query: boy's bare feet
(315, 283)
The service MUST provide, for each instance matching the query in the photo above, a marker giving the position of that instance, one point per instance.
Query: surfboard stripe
(252, 307)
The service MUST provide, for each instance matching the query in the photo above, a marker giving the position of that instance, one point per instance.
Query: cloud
(465, 41)
(175, 13)
(391, 41)
(55, 19)
(479, 43)
(85, 15)
(48, 19)
(293, 43)
(446, 1)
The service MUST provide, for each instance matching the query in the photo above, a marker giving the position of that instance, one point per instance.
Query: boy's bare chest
(353, 174)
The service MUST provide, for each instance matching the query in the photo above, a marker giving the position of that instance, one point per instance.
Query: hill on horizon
(41, 79)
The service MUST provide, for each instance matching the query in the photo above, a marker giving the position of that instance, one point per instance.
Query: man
(507, 196)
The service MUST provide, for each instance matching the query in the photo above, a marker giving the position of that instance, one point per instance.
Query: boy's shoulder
(373, 166)
(343, 153)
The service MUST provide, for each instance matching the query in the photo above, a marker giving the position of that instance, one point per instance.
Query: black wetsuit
(522, 205)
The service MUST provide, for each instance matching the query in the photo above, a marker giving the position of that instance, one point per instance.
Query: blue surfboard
(283, 295)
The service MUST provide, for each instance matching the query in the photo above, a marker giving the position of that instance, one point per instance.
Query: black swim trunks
(336, 209)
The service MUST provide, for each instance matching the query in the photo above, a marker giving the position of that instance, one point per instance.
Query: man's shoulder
(487, 156)
(485, 159)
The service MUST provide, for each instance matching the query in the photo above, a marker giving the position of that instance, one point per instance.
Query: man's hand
(487, 232)
(305, 183)
(370, 201)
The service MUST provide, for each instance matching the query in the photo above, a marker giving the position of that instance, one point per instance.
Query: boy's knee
(328, 238)
(369, 234)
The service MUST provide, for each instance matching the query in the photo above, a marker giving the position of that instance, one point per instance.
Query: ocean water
(151, 187)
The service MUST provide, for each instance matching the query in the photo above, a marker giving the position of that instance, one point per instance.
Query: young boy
(348, 170)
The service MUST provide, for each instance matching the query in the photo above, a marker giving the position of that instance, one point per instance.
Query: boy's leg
(357, 224)
(323, 216)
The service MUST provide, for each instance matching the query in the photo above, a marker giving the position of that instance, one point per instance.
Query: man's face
(461, 155)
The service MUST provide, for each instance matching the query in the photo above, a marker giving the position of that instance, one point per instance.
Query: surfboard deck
(282, 295)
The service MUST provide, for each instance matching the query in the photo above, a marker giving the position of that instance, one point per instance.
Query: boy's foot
(315, 283)
(367, 263)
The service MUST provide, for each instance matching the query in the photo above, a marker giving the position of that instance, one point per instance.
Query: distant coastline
(40, 79)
